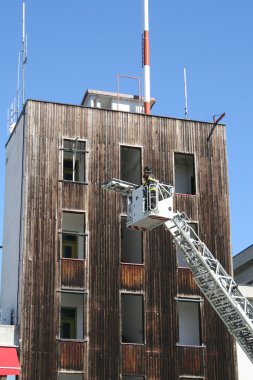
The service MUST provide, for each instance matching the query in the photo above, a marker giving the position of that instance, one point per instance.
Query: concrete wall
(11, 231)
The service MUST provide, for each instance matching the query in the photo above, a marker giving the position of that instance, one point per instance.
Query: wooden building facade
(96, 301)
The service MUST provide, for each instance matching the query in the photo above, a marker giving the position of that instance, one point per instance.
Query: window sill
(191, 345)
(72, 259)
(73, 340)
(132, 264)
(132, 344)
(77, 182)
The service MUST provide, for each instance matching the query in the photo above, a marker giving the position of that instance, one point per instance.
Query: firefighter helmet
(148, 169)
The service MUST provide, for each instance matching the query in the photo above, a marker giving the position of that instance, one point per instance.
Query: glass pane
(67, 169)
(69, 246)
(68, 323)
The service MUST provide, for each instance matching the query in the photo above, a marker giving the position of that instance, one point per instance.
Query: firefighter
(149, 188)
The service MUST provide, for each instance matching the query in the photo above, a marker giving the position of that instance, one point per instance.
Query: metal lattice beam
(219, 288)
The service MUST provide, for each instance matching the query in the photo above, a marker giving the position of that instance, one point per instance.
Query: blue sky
(81, 44)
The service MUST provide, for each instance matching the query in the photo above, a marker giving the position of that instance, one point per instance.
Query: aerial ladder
(149, 208)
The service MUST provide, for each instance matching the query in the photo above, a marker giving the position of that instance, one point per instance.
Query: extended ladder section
(218, 287)
(149, 208)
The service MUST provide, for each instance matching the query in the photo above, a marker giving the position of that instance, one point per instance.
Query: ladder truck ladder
(218, 287)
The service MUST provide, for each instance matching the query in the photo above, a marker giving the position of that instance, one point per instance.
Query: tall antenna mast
(185, 96)
(24, 56)
(146, 60)
(18, 89)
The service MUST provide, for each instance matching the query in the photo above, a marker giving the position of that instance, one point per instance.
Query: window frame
(176, 153)
(75, 163)
(143, 318)
(135, 147)
(84, 315)
(123, 216)
(83, 234)
(198, 301)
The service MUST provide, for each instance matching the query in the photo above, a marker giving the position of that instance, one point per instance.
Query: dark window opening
(68, 323)
(132, 318)
(185, 182)
(130, 164)
(131, 244)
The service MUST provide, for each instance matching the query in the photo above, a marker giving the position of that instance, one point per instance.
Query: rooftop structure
(114, 101)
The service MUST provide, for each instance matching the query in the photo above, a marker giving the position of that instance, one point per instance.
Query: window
(74, 160)
(184, 174)
(181, 262)
(73, 235)
(132, 318)
(189, 322)
(131, 244)
(72, 315)
(130, 164)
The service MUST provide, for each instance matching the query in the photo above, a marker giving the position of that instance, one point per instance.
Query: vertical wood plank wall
(158, 279)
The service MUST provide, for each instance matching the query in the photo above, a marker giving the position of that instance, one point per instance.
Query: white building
(243, 273)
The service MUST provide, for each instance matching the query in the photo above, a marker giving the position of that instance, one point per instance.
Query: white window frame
(74, 151)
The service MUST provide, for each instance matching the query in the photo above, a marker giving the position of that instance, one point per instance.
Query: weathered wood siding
(159, 279)
(73, 274)
(132, 277)
(72, 356)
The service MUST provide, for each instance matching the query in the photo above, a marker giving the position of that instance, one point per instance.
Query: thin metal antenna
(24, 56)
(18, 89)
(8, 120)
(185, 96)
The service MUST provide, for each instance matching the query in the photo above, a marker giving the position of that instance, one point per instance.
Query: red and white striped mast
(146, 60)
